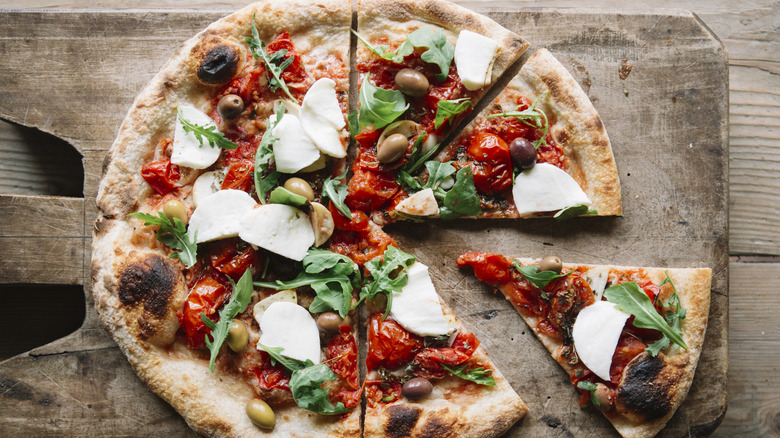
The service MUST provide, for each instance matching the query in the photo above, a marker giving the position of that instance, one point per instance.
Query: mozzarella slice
(207, 184)
(474, 56)
(417, 307)
(293, 150)
(422, 203)
(321, 118)
(287, 295)
(187, 150)
(281, 229)
(597, 277)
(596, 333)
(218, 216)
(545, 187)
(291, 327)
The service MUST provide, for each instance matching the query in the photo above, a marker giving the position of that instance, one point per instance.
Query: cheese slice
(279, 228)
(293, 150)
(187, 150)
(321, 118)
(206, 185)
(596, 333)
(544, 188)
(474, 56)
(597, 278)
(288, 295)
(422, 203)
(291, 327)
(219, 215)
(417, 307)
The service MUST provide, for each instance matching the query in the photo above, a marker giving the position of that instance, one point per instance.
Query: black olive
(416, 388)
(550, 263)
(523, 153)
(230, 106)
(218, 66)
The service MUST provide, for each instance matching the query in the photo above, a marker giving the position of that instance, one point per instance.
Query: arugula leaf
(587, 385)
(387, 274)
(448, 109)
(440, 51)
(265, 156)
(174, 235)
(280, 195)
(462, 199)
(306, 387)
(531, 116)
(675, 313)
(275, 64)
(629, 298)
(288, 362)
(383, 51)
(417, 157)
(379, 107)
(410, 183)
(573, 211)
(438, 172)
(335, 189)
(332, 276)
(538, 279)
(242, 294)
(477, 375)
(208, 132)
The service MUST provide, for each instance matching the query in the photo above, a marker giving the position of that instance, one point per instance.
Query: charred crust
(645, 390)
(150, 281)
(561, 136)
(218, 65)
(401, 420)
(435, 427)
(102, 225)
(595, 124)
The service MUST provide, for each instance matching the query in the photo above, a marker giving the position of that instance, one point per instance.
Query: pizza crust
(676, 371)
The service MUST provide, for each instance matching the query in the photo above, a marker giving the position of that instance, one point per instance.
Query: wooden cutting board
(75, 74)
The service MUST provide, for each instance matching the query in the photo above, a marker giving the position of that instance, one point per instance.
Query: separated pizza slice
(422, 66)
(629, 338)
(539, 149)
(426, 373)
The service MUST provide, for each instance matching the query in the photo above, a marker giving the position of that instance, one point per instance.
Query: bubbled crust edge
(212, 404)
(487, 411)
(693, 288)
(578, 128)
(394, 20)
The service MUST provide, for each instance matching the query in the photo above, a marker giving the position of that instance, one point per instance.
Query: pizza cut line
(237, 239)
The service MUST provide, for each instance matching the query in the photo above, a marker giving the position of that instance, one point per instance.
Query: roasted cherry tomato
(161, 175)
(466, 343)
(378, 392)
(628, 347)
(488, 267)
(342, 356)
(358, 222)
(271, 377)
(389, 344)
(205, 297)
(295, 72)
(240, 176)
(492, 165)
(227, 258)
(369, 190)
(430, 361)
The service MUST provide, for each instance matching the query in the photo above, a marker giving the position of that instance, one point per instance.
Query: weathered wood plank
(754, 335)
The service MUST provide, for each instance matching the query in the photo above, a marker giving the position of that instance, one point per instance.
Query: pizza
(629, 338)
(230, 268)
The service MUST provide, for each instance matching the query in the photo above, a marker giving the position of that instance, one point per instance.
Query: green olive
(261, 414)
(230, 106)
(238, 337)
(175, 209)
(300, 187)
(322, 223)
(393, 148)
(550, 263)
(411, 82)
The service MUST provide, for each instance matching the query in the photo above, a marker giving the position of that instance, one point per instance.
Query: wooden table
(33, 163)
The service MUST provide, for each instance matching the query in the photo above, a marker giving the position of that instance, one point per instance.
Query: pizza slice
(539, 149)
(426, 374)
(215, 182)
(422, 67)
(629, 338)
